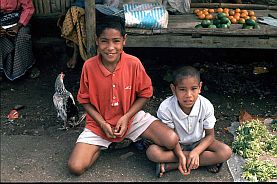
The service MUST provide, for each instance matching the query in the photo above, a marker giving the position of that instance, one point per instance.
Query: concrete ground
(27, 158)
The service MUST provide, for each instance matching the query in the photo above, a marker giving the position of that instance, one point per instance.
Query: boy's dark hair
(110, 21)
(183, 72)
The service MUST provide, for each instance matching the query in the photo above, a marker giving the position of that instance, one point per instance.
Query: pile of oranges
(234, 15)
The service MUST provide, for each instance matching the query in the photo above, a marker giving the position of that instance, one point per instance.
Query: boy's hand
(121, 126)
(193, 160)
(106, 127)
(183, 166)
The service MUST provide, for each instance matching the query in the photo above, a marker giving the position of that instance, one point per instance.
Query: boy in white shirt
(192, 117)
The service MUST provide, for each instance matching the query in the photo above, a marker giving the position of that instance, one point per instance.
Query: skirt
(16, 55)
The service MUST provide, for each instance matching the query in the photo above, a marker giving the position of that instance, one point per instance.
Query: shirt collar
(181, 114)
(118, 66)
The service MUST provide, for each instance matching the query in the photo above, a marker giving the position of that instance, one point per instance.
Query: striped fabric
(16, 55)
(145, 16)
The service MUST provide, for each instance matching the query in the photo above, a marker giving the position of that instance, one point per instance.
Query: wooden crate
(50, 7)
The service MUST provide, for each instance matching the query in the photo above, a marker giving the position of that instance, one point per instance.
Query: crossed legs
(216, 153)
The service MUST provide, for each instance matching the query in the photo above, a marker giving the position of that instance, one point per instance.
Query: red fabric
(28, 9)
(112, 94)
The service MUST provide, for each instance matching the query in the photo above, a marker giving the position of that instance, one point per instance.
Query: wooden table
(182, 34)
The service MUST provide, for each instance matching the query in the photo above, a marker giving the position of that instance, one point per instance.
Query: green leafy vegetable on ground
(252, 140)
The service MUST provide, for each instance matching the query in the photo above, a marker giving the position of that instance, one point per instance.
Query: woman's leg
(71, 63)
(82, 157)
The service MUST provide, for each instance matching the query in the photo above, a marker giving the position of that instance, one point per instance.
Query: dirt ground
(229, 83)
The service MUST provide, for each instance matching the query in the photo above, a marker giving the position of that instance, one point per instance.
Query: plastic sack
(145, 16)
(182, 6)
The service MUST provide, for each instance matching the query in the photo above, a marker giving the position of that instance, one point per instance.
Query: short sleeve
(144, 83)
(165, 116)
(83, 93)
(210, 119)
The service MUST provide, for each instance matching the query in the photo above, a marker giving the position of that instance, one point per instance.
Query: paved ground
(26, 158)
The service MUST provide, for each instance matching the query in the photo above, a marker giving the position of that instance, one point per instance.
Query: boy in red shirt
(114, 87)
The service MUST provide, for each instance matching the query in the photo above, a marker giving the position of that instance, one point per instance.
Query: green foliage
(252, 140)
(249, 142)
(257, 170)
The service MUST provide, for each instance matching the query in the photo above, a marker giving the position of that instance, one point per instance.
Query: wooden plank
(230, 5)
(36, 6)
(46, 6)
(53, 6)
(40, 6)
(58, 5)
(180, 41)
(271, 32)
(67, 4)
(63, 6)
(90, 27)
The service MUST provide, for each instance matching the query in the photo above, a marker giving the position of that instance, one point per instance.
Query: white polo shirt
(190, 128)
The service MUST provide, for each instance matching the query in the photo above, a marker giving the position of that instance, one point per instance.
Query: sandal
(216, 168)
(159, 173)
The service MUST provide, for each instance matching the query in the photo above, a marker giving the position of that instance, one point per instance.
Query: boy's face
(187, 90)
(110, 45)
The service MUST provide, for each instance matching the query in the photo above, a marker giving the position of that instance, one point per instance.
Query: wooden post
(90, 27)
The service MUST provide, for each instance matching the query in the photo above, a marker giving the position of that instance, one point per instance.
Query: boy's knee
(75, 168)
(152, 152)
(226, 152)
(172, 140)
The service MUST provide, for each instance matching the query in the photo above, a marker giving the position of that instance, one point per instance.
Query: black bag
(9, 18)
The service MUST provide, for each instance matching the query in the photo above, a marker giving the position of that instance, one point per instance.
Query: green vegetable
(252, 140)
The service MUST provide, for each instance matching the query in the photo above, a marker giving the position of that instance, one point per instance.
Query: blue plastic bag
(145, 16)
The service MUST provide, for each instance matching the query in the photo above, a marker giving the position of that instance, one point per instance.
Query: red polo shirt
(112, 94)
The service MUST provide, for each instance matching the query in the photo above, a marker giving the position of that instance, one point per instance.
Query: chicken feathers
(65, 104)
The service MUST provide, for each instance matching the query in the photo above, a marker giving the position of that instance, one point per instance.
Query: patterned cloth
(16, 55)
(73, 29)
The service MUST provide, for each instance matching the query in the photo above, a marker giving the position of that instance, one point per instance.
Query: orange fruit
(244, 11)
(230, 17)
(237, 17)
(211, 10)
(237, 14)
(253, 17)
(234, 21)
(196, 11)
(206, 13)
(225, 10)
(199, 13)
(209, 17)
(247, 17)
(237, 10)
(243, 15)
(219, 10)
(231, 12)
(251, 13)
(201, 16)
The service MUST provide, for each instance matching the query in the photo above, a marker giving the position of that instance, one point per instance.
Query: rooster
(65, 104)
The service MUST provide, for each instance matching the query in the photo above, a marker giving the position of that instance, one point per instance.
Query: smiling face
(110, 45)
(186, 90)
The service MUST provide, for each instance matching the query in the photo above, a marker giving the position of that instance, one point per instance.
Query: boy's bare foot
(161, 168)
(214, 168)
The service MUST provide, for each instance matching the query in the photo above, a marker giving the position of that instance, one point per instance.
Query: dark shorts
(189, 147)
